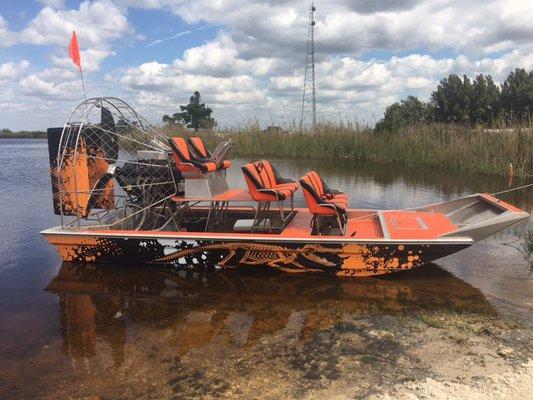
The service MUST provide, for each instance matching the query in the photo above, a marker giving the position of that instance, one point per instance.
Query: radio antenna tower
(309, 77)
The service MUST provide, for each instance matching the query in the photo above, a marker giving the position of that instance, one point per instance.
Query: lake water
(131, 332)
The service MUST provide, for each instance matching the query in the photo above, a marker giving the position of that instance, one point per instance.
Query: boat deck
(433, 222)
(362, 224)
(398, 225)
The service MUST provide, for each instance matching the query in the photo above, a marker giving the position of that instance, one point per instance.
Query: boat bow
(477, 216)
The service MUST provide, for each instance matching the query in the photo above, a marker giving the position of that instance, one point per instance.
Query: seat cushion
(226, 164)
(210, 166)
(320, 201)
(338, 203)
(293, 187)
(336, 197)
(199, 146)
(272, 195)
(326, 209)
(261, 181)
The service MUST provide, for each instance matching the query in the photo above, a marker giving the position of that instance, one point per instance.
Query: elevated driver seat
(200, 149)
(185, 161)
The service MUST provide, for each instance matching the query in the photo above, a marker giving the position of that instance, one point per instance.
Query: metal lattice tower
(309, 93)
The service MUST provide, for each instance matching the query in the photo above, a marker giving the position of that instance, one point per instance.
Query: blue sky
(246, 57)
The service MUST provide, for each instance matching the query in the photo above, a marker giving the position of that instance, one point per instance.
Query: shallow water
(73, 331)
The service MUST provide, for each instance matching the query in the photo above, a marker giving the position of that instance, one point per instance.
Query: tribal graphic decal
(276, 256)
(339, 259)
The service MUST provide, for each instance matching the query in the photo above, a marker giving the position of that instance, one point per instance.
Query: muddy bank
(515, 383)
(359, 357)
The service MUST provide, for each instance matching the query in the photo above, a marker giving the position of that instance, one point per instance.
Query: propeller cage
(110, 166)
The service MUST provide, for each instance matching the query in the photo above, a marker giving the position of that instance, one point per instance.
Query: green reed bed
(444, 146)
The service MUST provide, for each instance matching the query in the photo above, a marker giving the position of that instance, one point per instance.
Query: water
(122, 332)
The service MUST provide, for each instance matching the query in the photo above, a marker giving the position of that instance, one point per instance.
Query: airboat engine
(108, 164)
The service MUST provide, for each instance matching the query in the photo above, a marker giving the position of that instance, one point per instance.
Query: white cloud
(97, 25)
(90, 59)
(51, 84)
(357, 89)
(357, 26)
(53, 3)
(146, 4)
(13, 70)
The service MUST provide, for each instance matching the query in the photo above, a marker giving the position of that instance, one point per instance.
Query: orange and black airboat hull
(331, 256)
(375, 242)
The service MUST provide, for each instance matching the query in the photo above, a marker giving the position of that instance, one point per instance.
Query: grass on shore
(436, 145)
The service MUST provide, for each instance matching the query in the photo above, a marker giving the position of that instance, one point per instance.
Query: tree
(517, 94)
(167, 119)
(410, 111)
(195, 114)
(451, 99)
(485, 100)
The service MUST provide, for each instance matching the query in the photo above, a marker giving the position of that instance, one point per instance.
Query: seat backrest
(181, 150)
(252, 178)
(318, 183)
(265, 172)
(199, 147)
(312, 189)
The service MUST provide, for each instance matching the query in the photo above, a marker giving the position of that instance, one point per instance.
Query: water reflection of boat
(234, 309)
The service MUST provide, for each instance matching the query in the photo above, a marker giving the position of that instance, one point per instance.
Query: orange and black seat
(266, 185)
(201, 151)
(323, 201)
(185, 161)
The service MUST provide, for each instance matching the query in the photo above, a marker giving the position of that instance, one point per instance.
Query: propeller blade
(108, 137)
(98, 189)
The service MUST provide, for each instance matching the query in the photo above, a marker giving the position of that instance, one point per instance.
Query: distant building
(274, 129)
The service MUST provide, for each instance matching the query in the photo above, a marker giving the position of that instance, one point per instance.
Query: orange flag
(74, 50)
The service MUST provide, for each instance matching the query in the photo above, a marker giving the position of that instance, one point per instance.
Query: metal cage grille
(113, 168)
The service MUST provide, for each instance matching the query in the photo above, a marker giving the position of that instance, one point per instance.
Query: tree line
(467, 102)
(8, 133)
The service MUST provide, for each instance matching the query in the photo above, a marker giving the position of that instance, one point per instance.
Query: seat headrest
(198, 145)
(308, 184)
(179, 145)
(251, 172)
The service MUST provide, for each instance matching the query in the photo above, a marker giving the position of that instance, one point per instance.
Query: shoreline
(22, 137)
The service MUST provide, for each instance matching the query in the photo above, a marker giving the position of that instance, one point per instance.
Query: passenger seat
(323, 201)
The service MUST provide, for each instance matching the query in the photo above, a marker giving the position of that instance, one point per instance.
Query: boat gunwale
(246, 237)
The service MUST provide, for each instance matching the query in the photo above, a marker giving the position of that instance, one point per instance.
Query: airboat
(128, 193)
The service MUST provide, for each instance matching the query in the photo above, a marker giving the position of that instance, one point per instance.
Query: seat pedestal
(205, 185)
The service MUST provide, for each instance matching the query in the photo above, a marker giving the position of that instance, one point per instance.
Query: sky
(247, 57)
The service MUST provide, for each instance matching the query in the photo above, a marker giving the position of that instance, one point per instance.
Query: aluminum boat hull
(337, 257)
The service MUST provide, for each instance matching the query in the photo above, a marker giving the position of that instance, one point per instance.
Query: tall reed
(434, 145)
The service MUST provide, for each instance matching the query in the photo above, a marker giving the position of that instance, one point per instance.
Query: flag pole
(83, 86)
(74, 54)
